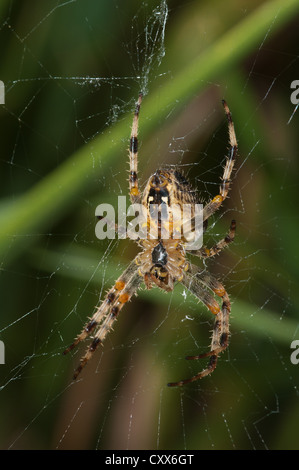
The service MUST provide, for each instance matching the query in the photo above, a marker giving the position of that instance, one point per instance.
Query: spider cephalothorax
(169, 187)
(162, 261)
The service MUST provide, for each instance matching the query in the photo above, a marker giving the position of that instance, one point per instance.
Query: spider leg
(133, 153)
(221, 326)
(106, 314)
(106, 326)
(205, 252)
(216, 202)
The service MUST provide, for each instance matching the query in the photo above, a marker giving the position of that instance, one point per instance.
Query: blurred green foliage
(64, 150)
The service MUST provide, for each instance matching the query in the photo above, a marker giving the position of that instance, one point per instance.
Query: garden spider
(163, 262)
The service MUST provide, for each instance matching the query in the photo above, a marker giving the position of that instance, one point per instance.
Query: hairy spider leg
(205, 252)
(217, 201)
(220, 335)
(133, 153)
(107, 313)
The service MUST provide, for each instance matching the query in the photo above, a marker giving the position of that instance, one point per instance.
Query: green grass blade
(79, 264)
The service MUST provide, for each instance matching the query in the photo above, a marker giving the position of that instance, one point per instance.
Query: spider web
(72, 70)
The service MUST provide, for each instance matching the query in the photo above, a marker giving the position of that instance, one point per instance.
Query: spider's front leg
(220, 335)
(205, 252)
(133, 153)
(107, 313)
(217, 201)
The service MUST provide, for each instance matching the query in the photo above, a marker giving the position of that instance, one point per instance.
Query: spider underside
(163, 262)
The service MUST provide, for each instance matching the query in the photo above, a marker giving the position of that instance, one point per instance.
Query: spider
(162, 262)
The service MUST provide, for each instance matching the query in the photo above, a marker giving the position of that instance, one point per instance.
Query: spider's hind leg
(220, 336)
(107, 313)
